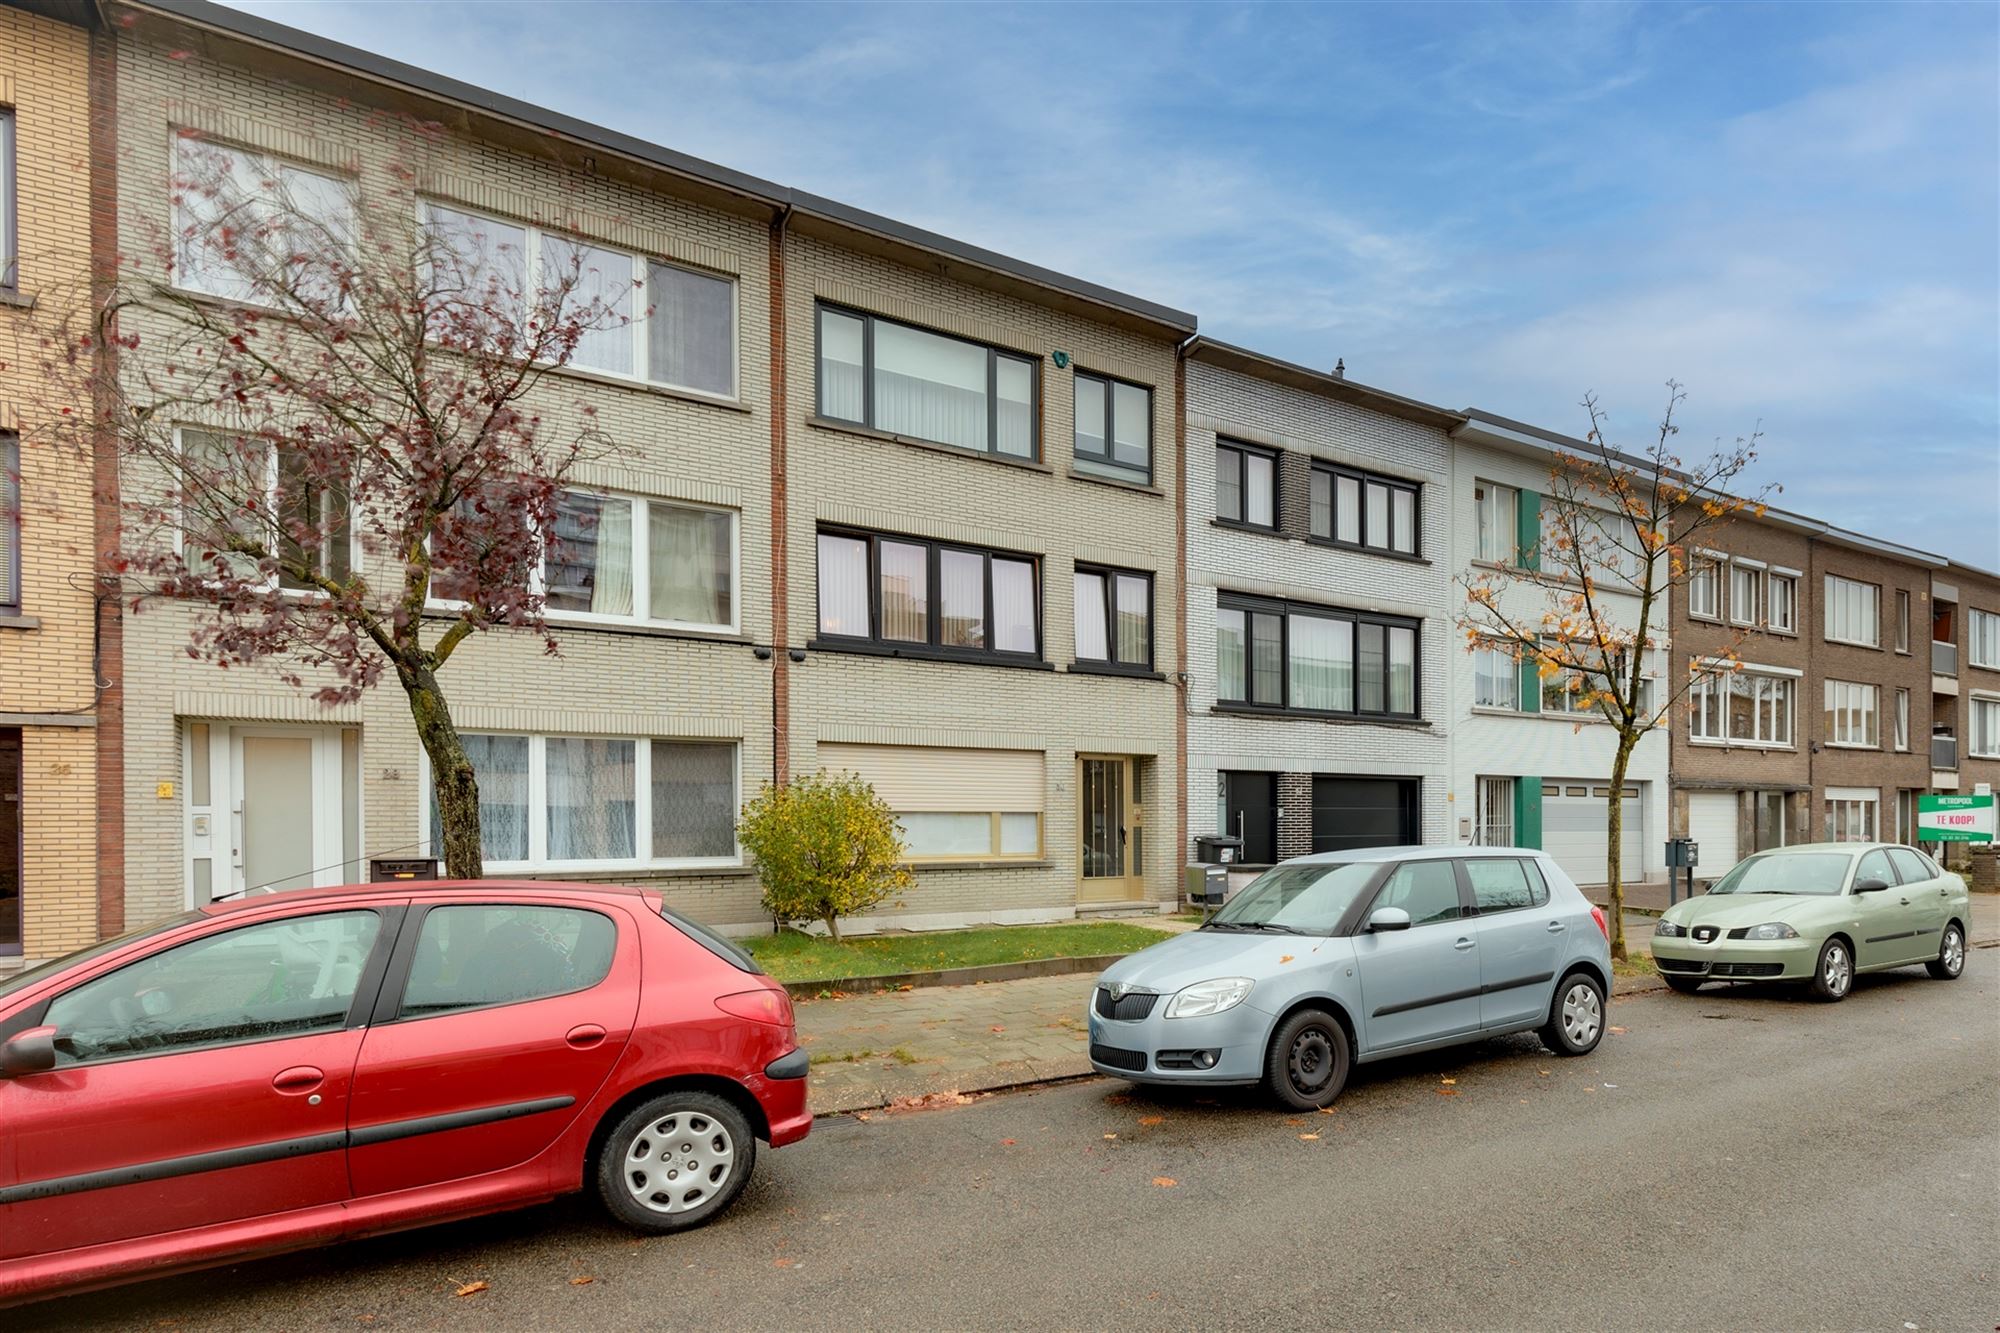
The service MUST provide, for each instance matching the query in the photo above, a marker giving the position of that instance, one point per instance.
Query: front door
(1250, 812)
(269, 808)
(1111, 818)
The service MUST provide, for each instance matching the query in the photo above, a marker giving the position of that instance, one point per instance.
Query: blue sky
(1793, 209)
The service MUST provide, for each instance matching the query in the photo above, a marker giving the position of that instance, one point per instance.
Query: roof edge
(1249, 362)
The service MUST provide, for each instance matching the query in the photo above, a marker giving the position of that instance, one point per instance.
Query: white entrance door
(269, 808)
(1576, 829)
(1712, 823)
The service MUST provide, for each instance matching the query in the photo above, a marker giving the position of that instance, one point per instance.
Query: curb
(953, 976)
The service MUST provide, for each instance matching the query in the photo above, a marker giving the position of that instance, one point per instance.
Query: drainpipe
(780, 378)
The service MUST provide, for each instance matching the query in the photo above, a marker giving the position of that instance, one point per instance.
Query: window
(1315, 659)
(1982, 630)
(618, 558)
(1495, 816)
(1498, 511)
(1114, 428)
(1783, 592)
(1246, 485)
(10, 523)
(644, 319)
(10, 256)
(1853, 612)
(1585, 694)
(11, 881)
(1427, 890)
(1983, 718)
(1771, 819)
(1902, 719)
(1745, 582)
(954, 804)
(1902, 620)
(245, 227)
(1850, 714)
(1496, 679)
(305, 521)
(1502, 884)
(276, 979)
(1850, 814)
(1911, 868)
(955, 600)
(1114, 617)
(1741, 708)
(611, 801)
(1358, 509)
(476, 957)
(929, 386)
(1704, 590)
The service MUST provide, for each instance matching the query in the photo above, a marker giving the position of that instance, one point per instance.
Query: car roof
(469, 888)
(1412, 853)
(1847, 848)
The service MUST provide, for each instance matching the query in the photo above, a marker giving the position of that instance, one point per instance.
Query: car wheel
(1833, 974)
(1307, 1064)
(676, 1162)
(1951, 954)
(1576, 1016)
(1685, 985)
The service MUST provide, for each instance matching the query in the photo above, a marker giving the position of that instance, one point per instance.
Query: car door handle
(584, 1036)
(1556, 927)
(1463, 945)
(1905, 902)
(299, 1078)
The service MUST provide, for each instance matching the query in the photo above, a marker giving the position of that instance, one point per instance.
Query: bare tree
(326, 401)
(1585, 606)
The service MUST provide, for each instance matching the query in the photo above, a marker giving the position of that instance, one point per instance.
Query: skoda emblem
(1119, 989)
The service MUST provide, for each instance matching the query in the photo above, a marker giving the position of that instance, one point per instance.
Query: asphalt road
(1737, 1160)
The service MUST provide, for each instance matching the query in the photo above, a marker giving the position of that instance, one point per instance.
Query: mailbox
(402, 867)
(1683, 853)
(1205, 886)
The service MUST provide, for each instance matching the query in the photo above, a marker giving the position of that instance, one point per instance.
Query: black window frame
(1110, 573)
(930, 646)
(1284, 610)
(1364, 479)
(993, 351)
(1241, 449)
(1107, 459)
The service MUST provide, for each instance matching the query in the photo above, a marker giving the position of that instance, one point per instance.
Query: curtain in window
(690, 329)
(1228, 484)
(1405, 505)
(694, 799)
(1260, 489)
(1378, 515)
(1348, 512)
(906, 599)
(599, 297)
(1742, 708)
(1015, 407)
(843, 585)
(1402, 669)
(1132, 427)
(478, 276)
(219, 218)
(1013, 606)
(1090, 618)
(500, 765)
(10, 520)
(962, 599)
(1229, 678)
(1372, 675)
(689, 564)
(1135, 631)
(840, 345)
(590, 799)
(1267, 665)
(1322, 653)
(929, 387)
(1319, 504)
(588, 564)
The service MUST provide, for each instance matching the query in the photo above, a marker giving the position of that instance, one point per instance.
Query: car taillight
(1604, 926)
(771, 1006)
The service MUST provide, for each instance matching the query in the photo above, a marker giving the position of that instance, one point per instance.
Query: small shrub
(825, 846)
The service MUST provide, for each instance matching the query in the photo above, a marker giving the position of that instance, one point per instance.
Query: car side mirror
(28, 1052)
(1870, 885)
(1388, 918)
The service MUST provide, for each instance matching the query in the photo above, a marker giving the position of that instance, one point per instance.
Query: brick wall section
(110, 624)
(45, 652)
(1295, 805)
(1977, 591)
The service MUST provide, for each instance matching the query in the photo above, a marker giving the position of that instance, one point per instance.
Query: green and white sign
(1955, 819)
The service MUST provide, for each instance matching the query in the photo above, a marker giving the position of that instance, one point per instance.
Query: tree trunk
(832, 926)
(452, 779)
(1614, 884)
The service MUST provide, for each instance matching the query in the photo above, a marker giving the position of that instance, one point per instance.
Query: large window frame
(1496, 511)
(1704, 589)
(339, 558)
(1852, 814)
(1496, 679)
(642, 518)
(1982, 725)
(1252, 610)
(1781, 601)
(1112, 585)
(870, 416)
(932, 645)
(232, 285)
(1746, 592)
(1404, 524)
(1852, 717)
(1772, 714)
(1853, 612)
(1982, 638)
(1106, 464)
(1235, 455)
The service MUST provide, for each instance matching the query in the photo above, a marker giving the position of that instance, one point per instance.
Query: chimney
(1340, 369)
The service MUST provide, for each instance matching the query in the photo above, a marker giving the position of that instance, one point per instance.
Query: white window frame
(1512, 702)
(269, 164)
(1755, 570)
(1837, 702)
(642, 573)
(1974, 706)
(532, 282)
(1852, 799)
(1764, 696)
(1982, 638)
(538, 806)
(1486, 506)
(1901, 721)
(1706, 577)
(1836, 591)
(269, 509)
(1775, 578)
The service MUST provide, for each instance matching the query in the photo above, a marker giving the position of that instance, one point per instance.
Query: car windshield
(1821, 873)
(20, 981)
(1307, 899)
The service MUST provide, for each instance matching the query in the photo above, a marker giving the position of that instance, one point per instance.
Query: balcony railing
(1944, 658)
(1944, 752)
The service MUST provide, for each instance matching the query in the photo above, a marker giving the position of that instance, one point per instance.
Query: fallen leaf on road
(1308, 1136)
(1447, 1081)
(1151, 1119)
(930, 1101)
(783, 1263)
(470, 1289)
(1612, 1086)
(1293, 1120)
(1165, 1182)
(1110, 1136)
(1617, 1031)
(581, 1281)
(863, 1115)
(1006, 1143)
(1447, 1092)
(1590, 1089)
(1543, 1072)
(906, 987)
(1328, 1110)
(996, 1028)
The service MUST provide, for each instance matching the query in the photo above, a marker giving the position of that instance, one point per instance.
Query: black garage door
(1364, 812)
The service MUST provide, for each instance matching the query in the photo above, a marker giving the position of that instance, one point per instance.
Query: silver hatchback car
(1345, 957)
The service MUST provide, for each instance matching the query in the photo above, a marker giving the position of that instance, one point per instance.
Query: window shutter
(1528, 812)
(1528, 531)
(939, 779)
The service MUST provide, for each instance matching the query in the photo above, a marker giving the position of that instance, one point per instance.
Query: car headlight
(1666, 927)
(1771, 930)
(1209, 997)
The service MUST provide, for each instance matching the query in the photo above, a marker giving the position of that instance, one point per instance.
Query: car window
(1504, 884)
(1822, 874)
(1910, 867)
(472, 957)
(275, 979)
(1875, 865)
(1427, 890)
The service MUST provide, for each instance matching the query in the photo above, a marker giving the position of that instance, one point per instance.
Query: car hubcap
(1311, 1062)
(679, 1162)
(1836, 971)
(1954, 951)
(1582, 1014)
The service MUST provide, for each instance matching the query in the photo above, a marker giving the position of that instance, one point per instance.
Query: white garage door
(1712, 825)
(1576, 825)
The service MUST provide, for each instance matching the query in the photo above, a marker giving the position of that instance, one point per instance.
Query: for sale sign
(1955, 819)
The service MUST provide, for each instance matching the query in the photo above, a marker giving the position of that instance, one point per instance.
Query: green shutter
(1531, 686)
(1528, 812)
(1528, 531)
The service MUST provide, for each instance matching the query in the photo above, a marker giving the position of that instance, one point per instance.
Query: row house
(1964, 687)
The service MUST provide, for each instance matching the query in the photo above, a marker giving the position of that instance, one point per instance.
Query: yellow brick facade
(47, 688)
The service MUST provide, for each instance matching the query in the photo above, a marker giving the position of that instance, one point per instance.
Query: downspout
(1181, 605)
(780, 377)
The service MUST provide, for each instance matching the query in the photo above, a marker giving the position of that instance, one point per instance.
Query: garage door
(1576, 824)
(1712, 825)
(1363, 812)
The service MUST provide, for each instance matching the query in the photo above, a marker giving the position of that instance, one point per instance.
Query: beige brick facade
(47, 693)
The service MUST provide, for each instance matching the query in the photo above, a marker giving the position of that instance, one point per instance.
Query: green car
(1819, 913)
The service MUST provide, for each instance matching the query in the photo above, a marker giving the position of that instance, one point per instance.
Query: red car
(300, 1068)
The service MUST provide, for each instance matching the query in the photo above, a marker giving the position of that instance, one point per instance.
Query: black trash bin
(1219, 849)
